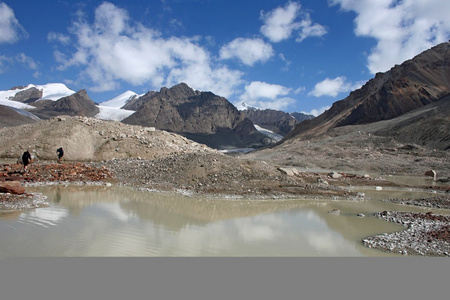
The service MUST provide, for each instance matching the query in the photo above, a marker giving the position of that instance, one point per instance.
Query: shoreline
(424, 234)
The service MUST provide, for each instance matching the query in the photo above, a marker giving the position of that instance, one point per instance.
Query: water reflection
(111, 221)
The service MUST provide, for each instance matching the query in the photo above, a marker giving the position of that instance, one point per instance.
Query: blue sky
(289, 55)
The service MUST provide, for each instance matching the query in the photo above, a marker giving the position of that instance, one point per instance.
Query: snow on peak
(50, 91)
(120, 100)
(54, 91)
(244, 106)
(112, 109)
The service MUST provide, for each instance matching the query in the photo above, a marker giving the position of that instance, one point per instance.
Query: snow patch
(113, 113)
(120, 101)
(244, 106)
(269, 133)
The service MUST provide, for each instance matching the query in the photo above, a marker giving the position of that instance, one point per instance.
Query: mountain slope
(415, 83)
(428, 126)
(200, 116)
(412, 143)
(12, 117)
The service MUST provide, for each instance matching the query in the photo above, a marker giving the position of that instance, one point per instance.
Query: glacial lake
(87, 221)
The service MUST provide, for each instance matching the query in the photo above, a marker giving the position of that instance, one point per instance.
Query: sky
(295, 56)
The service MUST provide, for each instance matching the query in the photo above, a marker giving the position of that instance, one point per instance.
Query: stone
(12, 187)
(431, 173)
(335, 211)
(335, 175)
(289, 171)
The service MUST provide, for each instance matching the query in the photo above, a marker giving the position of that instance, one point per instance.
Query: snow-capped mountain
(51, 91)
(112, 109)
(109, 110)
(244, 106)
(120, 100)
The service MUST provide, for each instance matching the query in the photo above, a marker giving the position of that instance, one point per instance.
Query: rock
(12, 187)
(335, 175)
(288, 171)
(335, 211)
(431, 173)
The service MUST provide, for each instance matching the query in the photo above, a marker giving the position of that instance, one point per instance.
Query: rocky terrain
(90, 139)
(374, 148)
(425, 234)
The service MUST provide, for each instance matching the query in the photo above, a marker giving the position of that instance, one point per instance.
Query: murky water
(112, 221)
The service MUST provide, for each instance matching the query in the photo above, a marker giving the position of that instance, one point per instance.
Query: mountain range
(200, 116)
(417, 91)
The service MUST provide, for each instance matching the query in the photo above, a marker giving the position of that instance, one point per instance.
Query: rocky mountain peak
(201, 116)
(78, 104)
(406, 87)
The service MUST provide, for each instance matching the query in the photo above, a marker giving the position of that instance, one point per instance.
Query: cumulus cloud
(266, 96)
(402, 29)
(333, 87)
(249, 51)
(282, 22)
(111, 50)
(10, 29)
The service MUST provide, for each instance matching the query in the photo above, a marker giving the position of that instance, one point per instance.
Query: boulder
(431, 173)
(12, 187)
(288, 171)
(335, 175)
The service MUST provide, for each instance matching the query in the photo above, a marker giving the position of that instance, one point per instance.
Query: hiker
(26, 160)
(60, 152)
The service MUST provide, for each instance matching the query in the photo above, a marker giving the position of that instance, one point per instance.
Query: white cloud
(21, 59)
(3, 60)
(333, 87)
(316, 112)
(308, 29)
(266, 96)
(111, 49)
(62, 38)
(249, 51)
(27, 61)
(402, 29)
(10, 29)
(280, 23)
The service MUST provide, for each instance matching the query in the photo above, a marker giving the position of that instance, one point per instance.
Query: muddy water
(111, 221)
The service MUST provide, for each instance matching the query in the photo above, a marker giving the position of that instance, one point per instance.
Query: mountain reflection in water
(113, 221)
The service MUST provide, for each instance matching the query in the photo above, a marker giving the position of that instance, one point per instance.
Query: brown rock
(12, 187)
(431, 173)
